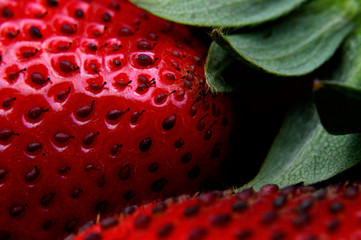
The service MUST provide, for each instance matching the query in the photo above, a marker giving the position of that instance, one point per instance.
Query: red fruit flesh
(293, 213)
(101, 105)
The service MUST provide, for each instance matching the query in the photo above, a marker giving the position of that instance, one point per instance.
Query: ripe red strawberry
(102, 105)
(292, 213)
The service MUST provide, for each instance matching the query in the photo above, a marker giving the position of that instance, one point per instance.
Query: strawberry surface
(302, 213)
(102, 105)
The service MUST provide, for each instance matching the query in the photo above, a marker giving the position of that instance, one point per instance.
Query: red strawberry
(292, 213)
(101, 105)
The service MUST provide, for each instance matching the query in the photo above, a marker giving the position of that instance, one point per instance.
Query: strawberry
(102, 105)
(301, 213)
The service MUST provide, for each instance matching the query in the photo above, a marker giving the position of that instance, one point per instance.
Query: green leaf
(297, 44)
(339, 107)
(339, 104)
(217, 61)
(304, 152)
(231, 13)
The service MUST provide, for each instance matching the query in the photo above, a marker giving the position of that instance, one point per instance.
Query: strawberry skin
(102, 105)
(291, 213)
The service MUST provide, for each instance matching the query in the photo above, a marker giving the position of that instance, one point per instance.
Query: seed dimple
(29, 54)
(351, 192)
(169, 122)
(158, 209)
(47, 224)
(175, 65)
(279, 201)
(333, 225)
(301, 221)
(92, 47)
(114, 150)
(16, 210)
(124, 172)
(216, 112)
(6, 134)
(305, 206)
(116, 63)
(336, 207)
(142, 222)
(194, 172)
(145, 144)
(38, 78)
(187, 84)
(63, 47)
(12, 35)
(90, 167)
(114, 5)
(244, 235)
(278, 236)
(190, 76)
(165, 230)
(79, 13)
(62, 137)
(64, 170)
(71, 225)
(179, 143)
(36, 112)
(220, 220)
(158, 185)
(319, 194)
(186, 157)
(76, 193)
(46, 199)
(170, 76)
(191, 211)
(35, 32)
(124, 31)
(62, 95)
(93, 236)
(129, 210)
(246, 194)
(33, 147)
(269, 218)
(68, 29)
(144, 60)
(115, 114)
(197, 60)
(67, 66)
(135, 116)
(96, 87)
(144, 45)
(208, 134)
(8, 101)
(52, 3)
(106, 17)
(153, 167)
(160, 98)
(197, 234)
(239, 206)
(32, 175)
(7, 13)
(109, 222)
(89, 138)
(3, 173)
(14, 75)
(85, 111)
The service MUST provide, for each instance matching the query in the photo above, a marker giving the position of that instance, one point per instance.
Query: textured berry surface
(291, 213)
(102, 105)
